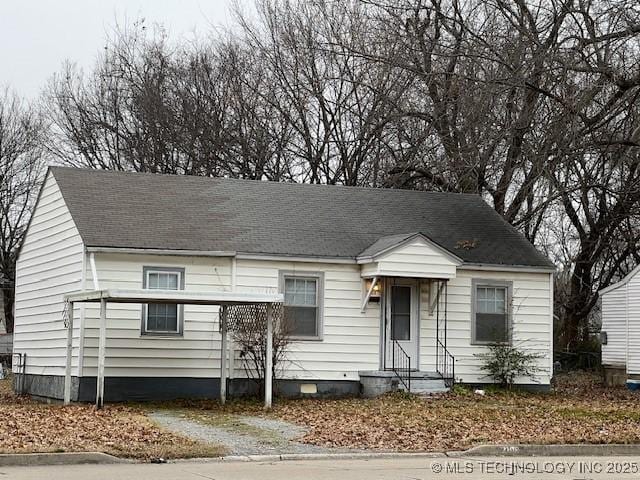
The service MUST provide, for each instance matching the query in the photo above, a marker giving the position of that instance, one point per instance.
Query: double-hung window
(303, 304)
(162, 318)
(491, 312)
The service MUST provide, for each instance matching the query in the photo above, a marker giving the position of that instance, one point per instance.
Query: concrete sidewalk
(526, 468)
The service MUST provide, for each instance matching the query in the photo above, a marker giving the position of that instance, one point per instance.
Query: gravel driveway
(240, 434)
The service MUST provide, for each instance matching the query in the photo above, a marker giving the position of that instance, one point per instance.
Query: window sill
(490, 344)
(305, 339)
(161, 335)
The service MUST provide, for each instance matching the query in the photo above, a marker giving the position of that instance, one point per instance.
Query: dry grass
(29, 426)
(579, 410)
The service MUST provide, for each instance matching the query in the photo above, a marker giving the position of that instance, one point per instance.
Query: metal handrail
(401, 364)
(445, 364)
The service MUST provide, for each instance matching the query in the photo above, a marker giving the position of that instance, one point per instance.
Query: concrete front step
(427, 385)
(376, 383)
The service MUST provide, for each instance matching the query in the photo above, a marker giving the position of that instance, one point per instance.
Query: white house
(378, 283)
(620, 331)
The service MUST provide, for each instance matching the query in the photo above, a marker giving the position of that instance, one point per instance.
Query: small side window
(303, 294)
(162, 318)
(491, 312)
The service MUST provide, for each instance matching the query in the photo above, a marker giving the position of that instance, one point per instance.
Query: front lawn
(579, 410)
(27, 426)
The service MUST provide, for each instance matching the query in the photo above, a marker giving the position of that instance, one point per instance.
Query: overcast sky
(36, 36)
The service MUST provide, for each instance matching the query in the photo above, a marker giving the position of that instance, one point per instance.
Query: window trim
(481, 282)
(146, 270)
(319, 277)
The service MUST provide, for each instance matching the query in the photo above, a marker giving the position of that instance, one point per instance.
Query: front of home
(378, 283)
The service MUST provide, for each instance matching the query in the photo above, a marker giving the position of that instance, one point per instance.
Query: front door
(401, 320)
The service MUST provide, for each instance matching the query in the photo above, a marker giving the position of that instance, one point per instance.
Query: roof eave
(161, 251)
(507, 267)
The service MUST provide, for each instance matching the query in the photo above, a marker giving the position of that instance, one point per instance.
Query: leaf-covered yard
(27, 426)
(578, 411)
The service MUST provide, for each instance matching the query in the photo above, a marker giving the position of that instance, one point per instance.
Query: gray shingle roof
(133, 210)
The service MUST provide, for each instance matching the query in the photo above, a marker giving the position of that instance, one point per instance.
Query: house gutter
(506, 268)
(155, 251)
(296, 258)
(301, 258)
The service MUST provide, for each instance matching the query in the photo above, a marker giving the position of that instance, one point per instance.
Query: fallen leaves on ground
(578, 412)
(27, 426)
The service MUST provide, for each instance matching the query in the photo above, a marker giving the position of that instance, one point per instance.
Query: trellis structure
(180, 297)
(254, 316)
(249, 316)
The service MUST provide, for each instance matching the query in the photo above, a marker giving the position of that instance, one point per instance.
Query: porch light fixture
(376, 291)
(372, 292)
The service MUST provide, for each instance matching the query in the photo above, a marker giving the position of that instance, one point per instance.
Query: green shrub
(461, 390)
(504, 363)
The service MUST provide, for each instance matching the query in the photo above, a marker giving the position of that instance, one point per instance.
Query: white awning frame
(184, 297)
(173, 296)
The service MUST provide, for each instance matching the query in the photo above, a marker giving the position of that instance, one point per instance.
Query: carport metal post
(268, 373)
(223, 354)
(67, 368)
(101, 354)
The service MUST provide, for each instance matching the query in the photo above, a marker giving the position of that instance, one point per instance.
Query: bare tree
(120, 116)
(534, 106)
(530, 104)
(250, 334)
(21, 139)
(340, 109)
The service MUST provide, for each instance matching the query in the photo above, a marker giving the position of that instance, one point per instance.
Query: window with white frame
(303, 304)
(491, 312)
(162, 318)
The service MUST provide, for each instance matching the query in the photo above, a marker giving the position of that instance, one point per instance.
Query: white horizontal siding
(614, 323)
(417, 259)
(351, 338)
(129, 353)
(50, 265)
(531, 322)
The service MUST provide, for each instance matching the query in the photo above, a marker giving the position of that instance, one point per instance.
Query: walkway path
(241, 435)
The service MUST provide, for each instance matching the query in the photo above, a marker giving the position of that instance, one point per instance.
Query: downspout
(94, 271)
(626, 311)
(81, 326)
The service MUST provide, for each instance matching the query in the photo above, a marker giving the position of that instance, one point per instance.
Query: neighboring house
(376, 280)
(620, 331)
